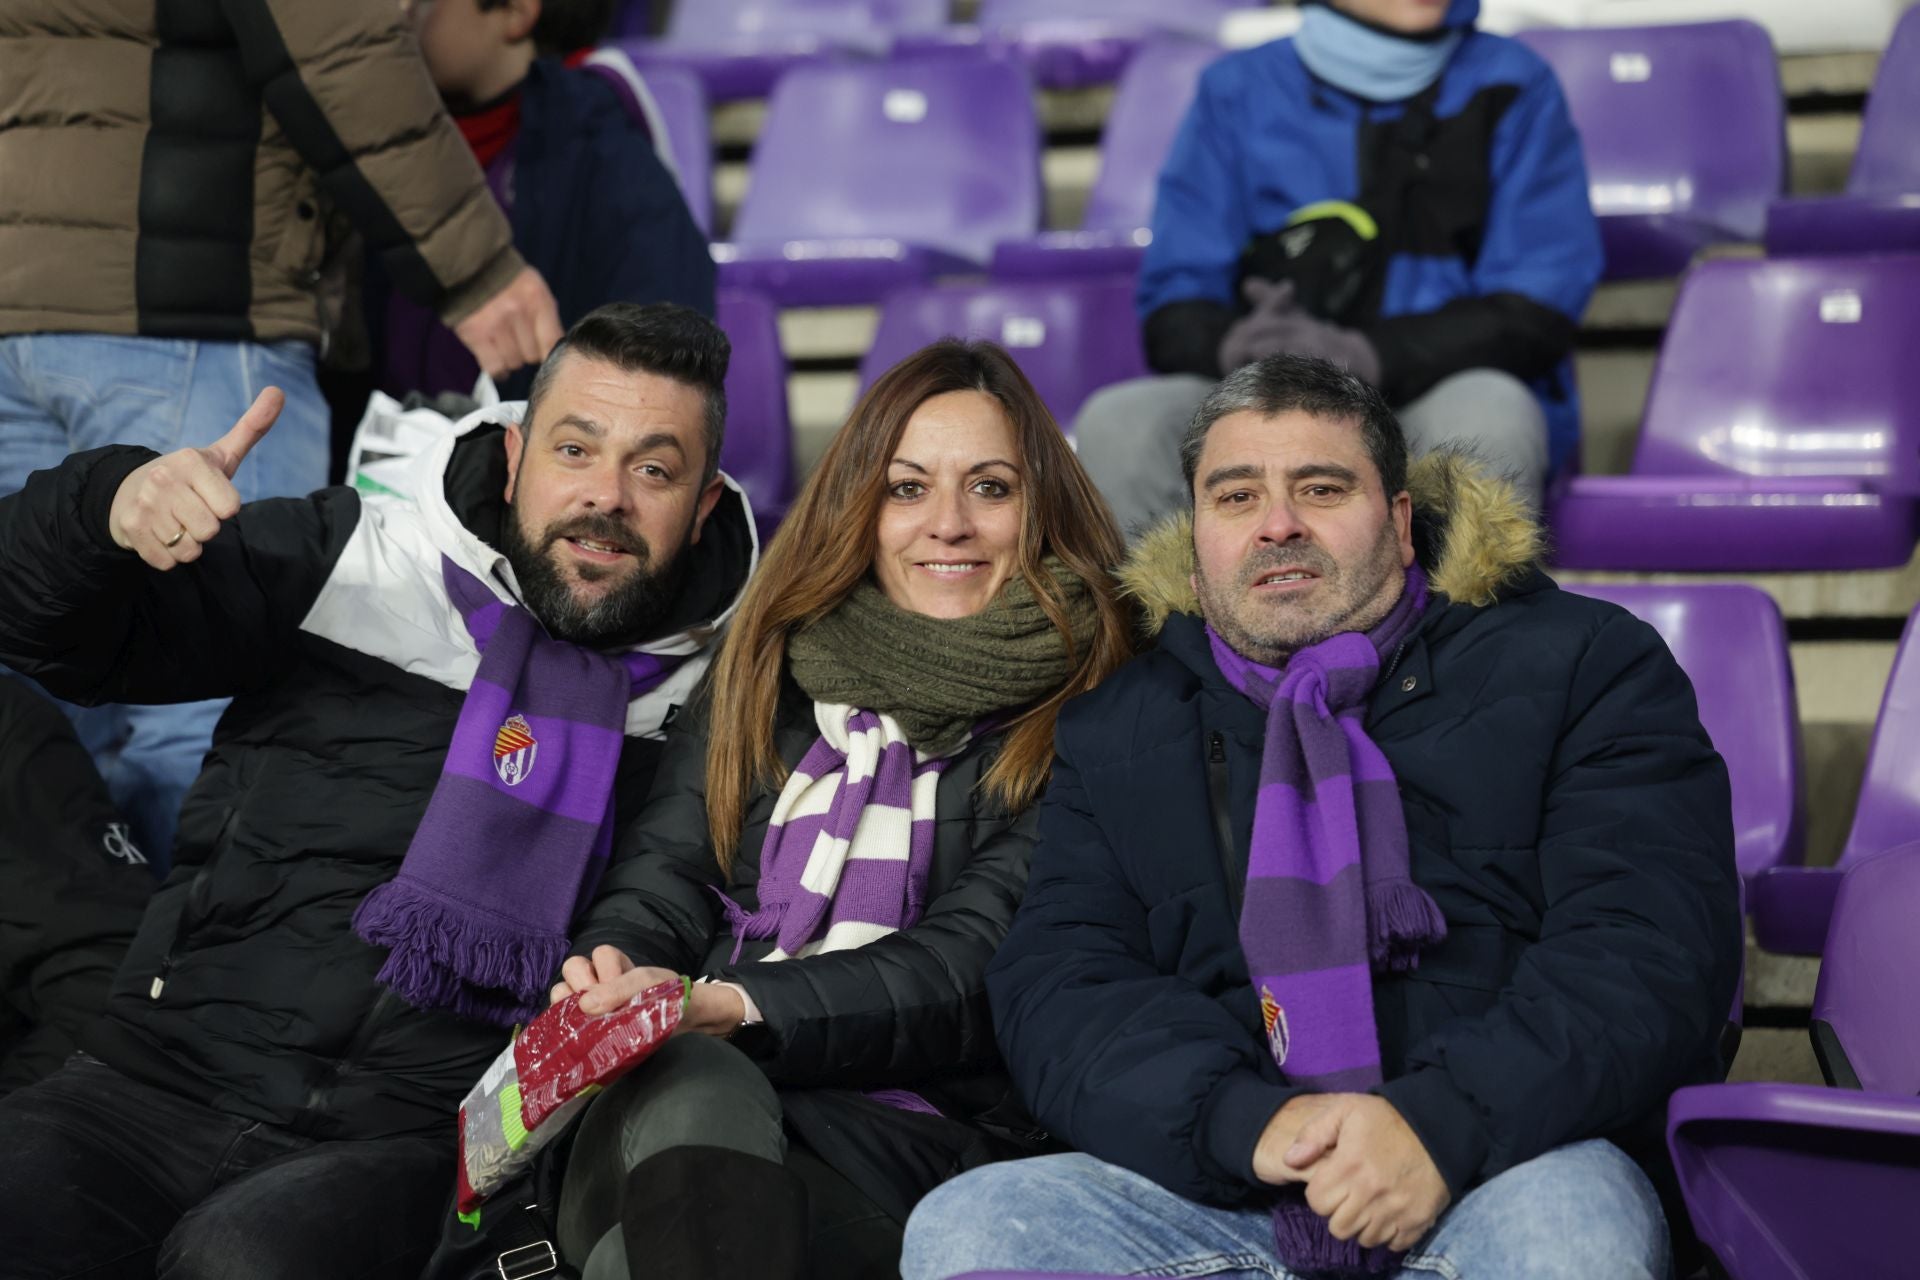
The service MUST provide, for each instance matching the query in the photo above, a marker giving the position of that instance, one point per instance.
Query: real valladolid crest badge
(1274, 1018)
(514, 748)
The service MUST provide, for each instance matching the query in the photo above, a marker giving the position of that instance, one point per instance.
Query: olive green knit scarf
(938, 677)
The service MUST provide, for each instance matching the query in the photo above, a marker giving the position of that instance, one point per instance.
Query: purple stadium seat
(1147, 110)
(1070, 44)
(671, 103)
(1782, 430)
(1732, 643)
(740, 48)
(1685, 133)
(1071, 337)
(759, 445)
(1792, 1182)
(1880, 213)
(1865, 1028)
(868, 177)
(1793, 905)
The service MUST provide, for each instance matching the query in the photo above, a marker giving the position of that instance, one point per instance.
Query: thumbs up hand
(167, 509)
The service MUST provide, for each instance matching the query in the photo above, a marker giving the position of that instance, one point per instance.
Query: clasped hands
(1365, 1170)
(610, 980)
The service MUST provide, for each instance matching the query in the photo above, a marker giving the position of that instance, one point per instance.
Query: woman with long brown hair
(837, 840)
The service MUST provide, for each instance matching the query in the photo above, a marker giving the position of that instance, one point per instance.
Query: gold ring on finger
(170, 543)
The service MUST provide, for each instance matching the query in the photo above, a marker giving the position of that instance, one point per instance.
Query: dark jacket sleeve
(94, 624)
(1129, 1064)
(75, 887)
(906, 1006)
(656, 902)
(346, 82)
(1623, 995)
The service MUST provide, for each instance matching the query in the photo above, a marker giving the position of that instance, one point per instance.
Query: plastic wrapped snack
(543, 1079)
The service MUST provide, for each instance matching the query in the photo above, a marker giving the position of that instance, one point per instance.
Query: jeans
(63, 393)
(104, 1177)
(1582, 1211)
(1128, 436)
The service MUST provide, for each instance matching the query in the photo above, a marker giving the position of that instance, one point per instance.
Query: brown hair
(827, 544)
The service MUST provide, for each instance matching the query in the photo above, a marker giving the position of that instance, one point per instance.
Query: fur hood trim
(1471, 533)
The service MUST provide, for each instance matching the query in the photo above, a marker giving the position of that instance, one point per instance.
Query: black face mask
(628, 614)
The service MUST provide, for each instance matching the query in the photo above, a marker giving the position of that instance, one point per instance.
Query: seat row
(740, 48)
(934, 161)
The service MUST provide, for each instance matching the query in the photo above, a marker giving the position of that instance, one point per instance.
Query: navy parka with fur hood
(1564, 808)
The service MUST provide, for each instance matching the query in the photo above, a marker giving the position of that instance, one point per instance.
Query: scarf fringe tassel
(439, 957)
(1306, 1248)
(1401, 919)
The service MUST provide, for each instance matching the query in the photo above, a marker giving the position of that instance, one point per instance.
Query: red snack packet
(565, 1052)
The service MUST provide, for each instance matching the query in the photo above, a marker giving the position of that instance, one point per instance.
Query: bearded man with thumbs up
(445, 704)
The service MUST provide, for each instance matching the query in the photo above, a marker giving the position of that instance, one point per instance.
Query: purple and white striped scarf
(850, 844)
(1329, 896)
(519, 827)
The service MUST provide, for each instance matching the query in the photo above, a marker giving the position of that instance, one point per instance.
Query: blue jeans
(1581, 1211)
(62, 393)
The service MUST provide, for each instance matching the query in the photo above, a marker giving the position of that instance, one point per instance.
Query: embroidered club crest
(1274, 1018)
(513, 750)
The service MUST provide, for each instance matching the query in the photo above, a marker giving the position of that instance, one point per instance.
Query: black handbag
(517, 1236)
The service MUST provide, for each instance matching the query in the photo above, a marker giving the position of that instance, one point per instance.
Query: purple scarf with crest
(520, 824)
(1329, 896)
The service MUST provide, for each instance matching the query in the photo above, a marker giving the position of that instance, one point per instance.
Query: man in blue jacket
(1391, 190)
(1376, 912)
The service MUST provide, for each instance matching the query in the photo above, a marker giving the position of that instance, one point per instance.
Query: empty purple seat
(1684, 129)
(672, 104)
(1789, 1181)
(741, 48)
(1070, 44)
(1786, 1181)
(1147, 110)
(1880, 212)
(1070, 337)
(1865, 1031)
(1732, 643)
(1793, 905)
(1782, 430)
(759, 445)
(868, 177)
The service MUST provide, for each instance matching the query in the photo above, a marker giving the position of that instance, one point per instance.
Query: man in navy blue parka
(1389, 189)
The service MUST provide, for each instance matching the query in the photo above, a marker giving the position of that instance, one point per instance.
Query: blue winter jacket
(1495, 269)
(1564, 808)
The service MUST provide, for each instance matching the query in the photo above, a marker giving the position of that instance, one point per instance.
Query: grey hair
(1302, 384)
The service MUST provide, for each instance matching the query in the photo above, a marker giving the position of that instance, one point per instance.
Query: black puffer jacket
(907, 1010)
(326, 621)
(72, 887)
(1564, 808)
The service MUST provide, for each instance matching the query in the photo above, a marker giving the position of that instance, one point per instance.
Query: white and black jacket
(326, 620)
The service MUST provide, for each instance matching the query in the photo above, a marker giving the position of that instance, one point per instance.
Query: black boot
(711, 1213)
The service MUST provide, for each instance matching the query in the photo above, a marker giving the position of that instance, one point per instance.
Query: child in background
(592, 206)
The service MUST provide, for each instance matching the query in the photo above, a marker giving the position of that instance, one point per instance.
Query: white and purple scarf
(850, 843)
(1329, 897)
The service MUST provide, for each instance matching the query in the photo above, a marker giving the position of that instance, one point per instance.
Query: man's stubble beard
(1286, 628)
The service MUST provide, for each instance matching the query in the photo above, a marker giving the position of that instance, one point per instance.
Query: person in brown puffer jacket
(172, 168)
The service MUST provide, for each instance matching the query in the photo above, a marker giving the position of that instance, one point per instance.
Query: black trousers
(688, 1126)
(104, 1177)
